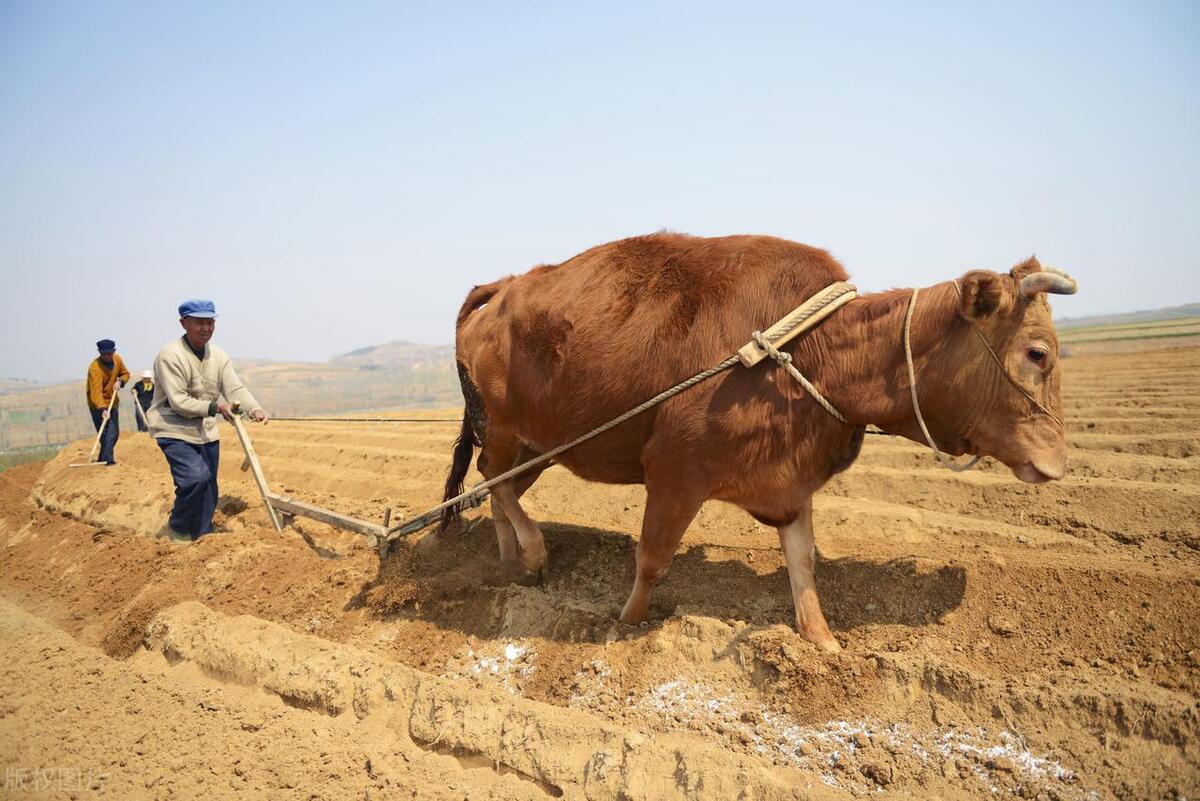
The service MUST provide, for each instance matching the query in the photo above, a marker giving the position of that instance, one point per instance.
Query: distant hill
(8, 385)
(398, 354)
(1176, 326)
(392, 376)
(295, 389)
(1147, 316)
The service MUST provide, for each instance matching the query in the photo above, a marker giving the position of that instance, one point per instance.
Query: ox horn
(1048, 280)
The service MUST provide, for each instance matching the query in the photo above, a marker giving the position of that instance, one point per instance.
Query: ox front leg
(668, 513)
(799, 551)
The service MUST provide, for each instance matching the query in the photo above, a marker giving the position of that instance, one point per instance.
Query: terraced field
(1131, 334)
(1000, 638)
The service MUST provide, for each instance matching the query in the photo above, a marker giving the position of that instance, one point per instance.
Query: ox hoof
(632, 617)
(830, 646)
(826, 644)
(823, 640)
(535, 563)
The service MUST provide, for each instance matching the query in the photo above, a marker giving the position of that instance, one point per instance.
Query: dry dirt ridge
(1000, 639)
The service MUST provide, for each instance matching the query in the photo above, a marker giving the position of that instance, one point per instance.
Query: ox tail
(474, 423)
(464, 450)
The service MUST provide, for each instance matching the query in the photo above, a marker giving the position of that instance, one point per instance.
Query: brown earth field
(1000, 639)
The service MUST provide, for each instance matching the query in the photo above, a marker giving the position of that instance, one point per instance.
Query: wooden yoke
(799, 320)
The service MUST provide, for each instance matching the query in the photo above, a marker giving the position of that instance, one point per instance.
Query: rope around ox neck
(946, 461)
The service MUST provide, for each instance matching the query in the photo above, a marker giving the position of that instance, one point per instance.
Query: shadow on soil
(455, 581)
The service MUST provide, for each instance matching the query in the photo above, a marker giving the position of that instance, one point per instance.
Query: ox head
(1009, 406)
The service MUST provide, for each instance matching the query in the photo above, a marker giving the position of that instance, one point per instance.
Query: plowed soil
(1000, 638)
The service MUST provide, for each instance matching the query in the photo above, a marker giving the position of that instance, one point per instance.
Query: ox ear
(984, 293)
(1027, 267)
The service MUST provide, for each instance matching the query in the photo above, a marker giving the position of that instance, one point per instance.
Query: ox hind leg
(506, 533)
(799, 551)
(669, 510)
(514, 527)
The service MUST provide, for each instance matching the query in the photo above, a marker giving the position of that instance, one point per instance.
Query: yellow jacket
(102, 382)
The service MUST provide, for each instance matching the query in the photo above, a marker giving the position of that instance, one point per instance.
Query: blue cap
(106, 346)
(197, 308)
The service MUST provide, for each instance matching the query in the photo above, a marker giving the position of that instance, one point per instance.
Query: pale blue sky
(335, 175)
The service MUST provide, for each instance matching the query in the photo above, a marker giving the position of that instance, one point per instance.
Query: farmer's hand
(104, 414)
(224, 410)
(259, 416)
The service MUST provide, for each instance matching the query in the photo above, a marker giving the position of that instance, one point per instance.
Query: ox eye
(1036, 355)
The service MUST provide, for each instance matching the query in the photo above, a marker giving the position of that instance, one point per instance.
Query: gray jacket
(186, 392)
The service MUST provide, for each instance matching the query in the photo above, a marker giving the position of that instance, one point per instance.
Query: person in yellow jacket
(104, 374)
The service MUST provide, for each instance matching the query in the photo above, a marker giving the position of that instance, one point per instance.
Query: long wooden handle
(256, 468)
(138, 411)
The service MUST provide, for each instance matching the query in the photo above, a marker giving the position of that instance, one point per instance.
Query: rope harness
(785, 361)
(946, 461)
(799, 320)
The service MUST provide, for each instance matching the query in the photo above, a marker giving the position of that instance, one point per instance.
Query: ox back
(563, 348)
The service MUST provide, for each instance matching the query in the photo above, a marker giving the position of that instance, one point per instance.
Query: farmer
(195, 382)
(104, 373)
(143, 391)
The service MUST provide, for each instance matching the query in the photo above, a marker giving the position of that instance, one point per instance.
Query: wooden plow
(762, 346)
(282, 509)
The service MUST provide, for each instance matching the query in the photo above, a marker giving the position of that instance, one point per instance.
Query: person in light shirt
(194, 382)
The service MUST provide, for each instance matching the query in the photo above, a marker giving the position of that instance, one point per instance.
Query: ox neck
(861, 349)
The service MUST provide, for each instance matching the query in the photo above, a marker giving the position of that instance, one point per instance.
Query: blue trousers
(194, 470)
(111, 432)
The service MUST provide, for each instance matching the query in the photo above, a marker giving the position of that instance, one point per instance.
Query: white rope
(785, 360)
(912, 386)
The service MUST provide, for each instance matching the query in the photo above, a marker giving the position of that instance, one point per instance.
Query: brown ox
(549, 355)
